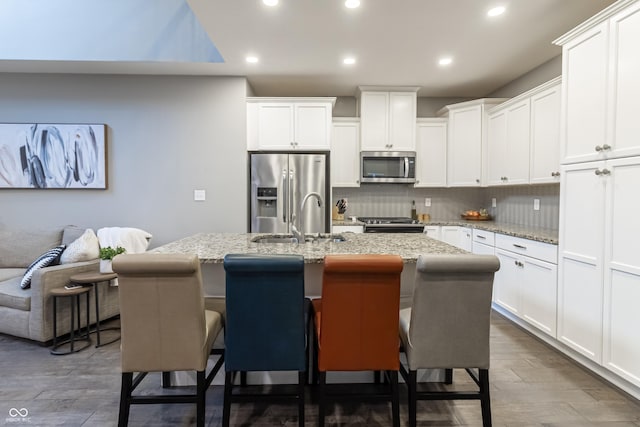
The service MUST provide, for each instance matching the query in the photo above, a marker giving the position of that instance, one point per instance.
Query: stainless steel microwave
(388, 166)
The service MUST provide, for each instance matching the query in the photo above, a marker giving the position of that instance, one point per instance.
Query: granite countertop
(212, 247)
(545, 235)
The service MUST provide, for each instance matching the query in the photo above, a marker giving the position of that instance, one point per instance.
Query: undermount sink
(311, 238)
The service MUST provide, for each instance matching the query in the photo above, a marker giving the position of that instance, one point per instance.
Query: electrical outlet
(199, 195)
(427, 201)
(494, 203)
(536, 204)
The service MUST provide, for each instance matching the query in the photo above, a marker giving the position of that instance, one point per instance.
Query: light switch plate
(536, 204)
(494, 203)
(199, 195)
(427, 201)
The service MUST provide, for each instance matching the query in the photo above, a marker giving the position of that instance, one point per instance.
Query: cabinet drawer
(484, 237)
(531, 248)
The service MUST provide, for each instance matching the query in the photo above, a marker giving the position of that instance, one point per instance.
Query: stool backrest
(161, 312)
(265, 319)
(359, 320)
(450, 315)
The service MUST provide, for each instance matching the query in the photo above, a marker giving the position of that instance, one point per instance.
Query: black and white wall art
(35, 155)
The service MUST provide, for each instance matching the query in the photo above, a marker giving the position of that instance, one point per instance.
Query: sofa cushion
(84, 248)
(71, 233)
(11, 273)
(12, 296)
(50, 257)
(18, 248)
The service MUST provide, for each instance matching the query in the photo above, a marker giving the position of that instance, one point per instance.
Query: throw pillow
(84, 248)
(51, 257)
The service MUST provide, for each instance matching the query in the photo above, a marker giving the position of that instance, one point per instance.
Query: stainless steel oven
(391, 225)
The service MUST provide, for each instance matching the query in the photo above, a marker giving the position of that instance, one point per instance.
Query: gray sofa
(28, 313)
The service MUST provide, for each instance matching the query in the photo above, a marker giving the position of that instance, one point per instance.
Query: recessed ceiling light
(270, 2)
(251, 59)
(352, 4)
(445, 61)
(349, 61)
(496, 11)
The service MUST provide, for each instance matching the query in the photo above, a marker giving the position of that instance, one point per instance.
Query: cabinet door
(275, 126)
(497, 147)
(432, 231)
(466, 239)
(622, 270)
(506, 282)
(431, 153)
(580, 258)
(544, 164)
(450, 234)
(345, 154)
(464, 151)
(518, 134)
(374, 120)
(312, 126)
(624, 84)
(584, 71)
(402, 119)
(538, 298)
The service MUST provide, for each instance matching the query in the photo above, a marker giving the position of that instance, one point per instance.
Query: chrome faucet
(299, 234)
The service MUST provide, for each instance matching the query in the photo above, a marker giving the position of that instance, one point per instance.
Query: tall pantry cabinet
(599, 240)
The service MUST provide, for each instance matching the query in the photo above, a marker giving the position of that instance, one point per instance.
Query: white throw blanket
(133, 240)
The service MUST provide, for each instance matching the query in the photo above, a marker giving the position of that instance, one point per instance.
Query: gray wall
(543, 73)
(166, 137)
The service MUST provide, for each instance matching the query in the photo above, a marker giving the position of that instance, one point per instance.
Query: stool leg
(88, 319)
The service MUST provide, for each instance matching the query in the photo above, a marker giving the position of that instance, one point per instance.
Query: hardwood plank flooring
(531, 385)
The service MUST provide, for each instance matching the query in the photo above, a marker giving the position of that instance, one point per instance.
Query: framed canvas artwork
(35, 155)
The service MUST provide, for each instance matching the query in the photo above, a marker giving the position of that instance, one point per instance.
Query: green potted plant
(106, 256)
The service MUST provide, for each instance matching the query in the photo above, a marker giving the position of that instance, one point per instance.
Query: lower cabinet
(526, 284)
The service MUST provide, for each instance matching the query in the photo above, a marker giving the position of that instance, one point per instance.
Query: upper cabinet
(601, 92)
(345, 152)
(431, 153)
(508, 143)
(387, 118)
(466, 141)
(523, 135)
(289, 123)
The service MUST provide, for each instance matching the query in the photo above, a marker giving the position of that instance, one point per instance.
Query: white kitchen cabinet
(289, 123)
(601, 93)
(388, 118)
(466, 141)
(432, 231)
(431, 153)
(544, 157)
(345, 152)
(460, 237)
(526, 284)
(508, 143)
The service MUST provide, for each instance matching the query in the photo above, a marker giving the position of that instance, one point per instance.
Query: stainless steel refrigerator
(280, 183)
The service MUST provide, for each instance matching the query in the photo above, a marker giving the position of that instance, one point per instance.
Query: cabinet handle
(554, 174)
(357, 181)
(477, 181)
(606, 147)
(520, 246)
(481, 237)
(604, 171)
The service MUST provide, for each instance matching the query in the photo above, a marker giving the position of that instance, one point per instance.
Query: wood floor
(531, 385)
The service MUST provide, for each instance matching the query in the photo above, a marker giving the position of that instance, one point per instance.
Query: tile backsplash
(514, 204)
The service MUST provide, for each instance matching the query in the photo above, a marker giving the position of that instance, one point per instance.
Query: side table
(74, 295)
(94, 279)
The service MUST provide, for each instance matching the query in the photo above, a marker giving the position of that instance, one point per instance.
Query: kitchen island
(212, 247)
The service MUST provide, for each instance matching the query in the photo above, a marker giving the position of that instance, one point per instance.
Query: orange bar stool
(357, 324)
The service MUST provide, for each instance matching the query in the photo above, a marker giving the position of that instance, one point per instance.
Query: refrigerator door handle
(285, 196)
(292, 209)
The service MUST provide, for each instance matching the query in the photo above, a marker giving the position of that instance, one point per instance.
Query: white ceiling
(301, 44)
